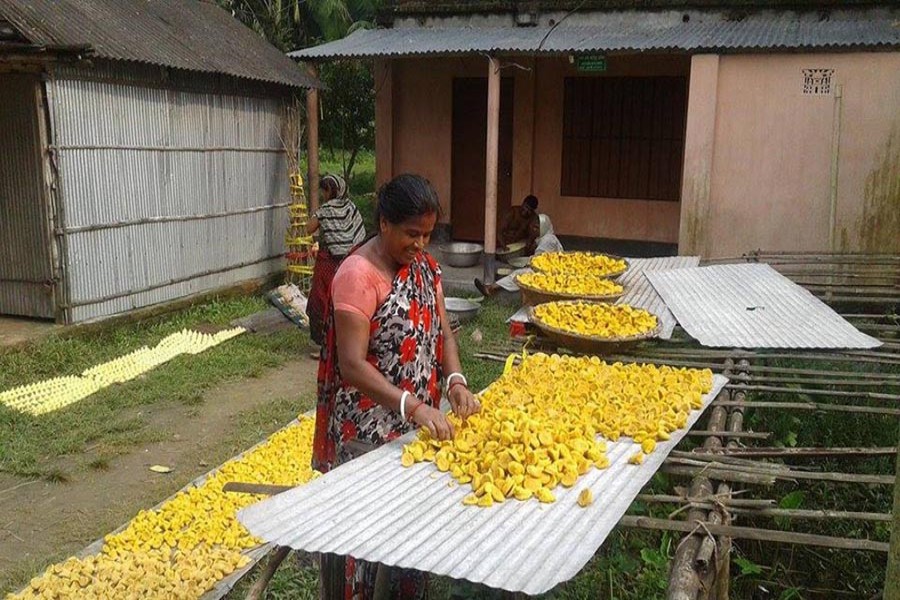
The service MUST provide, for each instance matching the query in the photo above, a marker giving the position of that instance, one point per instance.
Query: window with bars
(623, 137)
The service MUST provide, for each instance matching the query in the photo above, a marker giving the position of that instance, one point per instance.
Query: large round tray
(590, 344)
(606, 276)
(532, 296)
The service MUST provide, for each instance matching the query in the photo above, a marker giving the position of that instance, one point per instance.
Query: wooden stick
(773, 452)
(750, 533)
(721, 474)
(819, 407)
(709, 499)
(792, 513)
(258, 589)
(813, 392)
(753, 435)
(255, 488)
(862, 382)
(734, 473)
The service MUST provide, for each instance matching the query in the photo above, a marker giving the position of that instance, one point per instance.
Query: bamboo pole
(800, 514)
(819, 407)
(709, 499)
(750, 533)
(814, 392)
(892, 577)
(684, 582)
(724, 472)
(312, 143)
(775, 452)
(752, 435)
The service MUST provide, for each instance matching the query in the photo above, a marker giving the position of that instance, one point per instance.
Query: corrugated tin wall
(166, 192)
(25, 268)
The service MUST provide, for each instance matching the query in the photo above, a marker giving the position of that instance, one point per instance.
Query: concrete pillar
(491, 168)
(699, 149)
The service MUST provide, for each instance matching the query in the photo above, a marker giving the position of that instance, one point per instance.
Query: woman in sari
(340, 228)
(388, 355)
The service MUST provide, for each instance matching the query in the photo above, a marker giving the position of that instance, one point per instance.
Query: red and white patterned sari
(406, 346)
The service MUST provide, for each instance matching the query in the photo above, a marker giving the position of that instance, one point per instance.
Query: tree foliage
(348, 103)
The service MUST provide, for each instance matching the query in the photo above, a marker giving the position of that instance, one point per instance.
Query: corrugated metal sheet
(192, 35)
(753, 306)
(639, 292)
(373, 509)
(25, 267)
(635, 31)
(127, 153)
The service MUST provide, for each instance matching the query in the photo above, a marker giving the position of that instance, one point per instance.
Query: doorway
(26, 287)
(468, 155)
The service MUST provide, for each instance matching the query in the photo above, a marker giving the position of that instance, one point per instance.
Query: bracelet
(403, 398)
(457, 374)
(454, 384)
(414, 409)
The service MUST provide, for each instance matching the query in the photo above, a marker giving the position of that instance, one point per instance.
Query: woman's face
(403, 241)
(328, 192)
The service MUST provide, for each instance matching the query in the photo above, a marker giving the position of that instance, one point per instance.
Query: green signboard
(593, 63)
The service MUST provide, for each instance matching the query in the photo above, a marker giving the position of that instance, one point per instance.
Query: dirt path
(43, 522)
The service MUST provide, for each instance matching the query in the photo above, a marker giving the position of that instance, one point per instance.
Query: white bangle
(403, 398)
(460, 375)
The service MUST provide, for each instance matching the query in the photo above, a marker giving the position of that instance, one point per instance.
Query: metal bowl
(511, 252)
(462, 254)
(463, 309)
(590, 344)
(519, 262)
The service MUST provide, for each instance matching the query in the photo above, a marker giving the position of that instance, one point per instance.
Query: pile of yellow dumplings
(540, 422)
(596, 319)
(190, 543)
(578, 263)
(565, 283)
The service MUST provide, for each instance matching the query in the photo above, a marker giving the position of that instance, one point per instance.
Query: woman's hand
(463, 402)
(435, 421)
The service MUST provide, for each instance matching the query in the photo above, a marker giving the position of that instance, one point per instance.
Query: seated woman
(547, 242)
(387, 355)
(340, 228)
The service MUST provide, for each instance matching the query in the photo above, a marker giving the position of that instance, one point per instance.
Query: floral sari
(406, 346)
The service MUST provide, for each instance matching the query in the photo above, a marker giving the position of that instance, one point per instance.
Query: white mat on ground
(376, 510)
(753, 306)
(638, 290)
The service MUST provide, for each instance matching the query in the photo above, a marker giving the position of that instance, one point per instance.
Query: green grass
(28, 444)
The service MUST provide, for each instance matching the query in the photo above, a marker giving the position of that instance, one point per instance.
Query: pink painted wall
(757, 157)
(595, 217)
(768, 184)
(421, 130)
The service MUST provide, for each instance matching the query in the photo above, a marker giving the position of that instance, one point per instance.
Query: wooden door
(468, 155)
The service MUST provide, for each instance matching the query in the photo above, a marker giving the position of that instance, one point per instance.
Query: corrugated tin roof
(630, 32)
(183, 34)
(443, 7)
(373, 509)
(753, 306)
(639, 292)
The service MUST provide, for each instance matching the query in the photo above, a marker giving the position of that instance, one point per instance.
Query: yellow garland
(565, 283)
(191, 542)
(540, 422)
(578, 263)
(596, 319)
(53, 394)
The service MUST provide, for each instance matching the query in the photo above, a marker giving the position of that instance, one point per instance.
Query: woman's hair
(405, 197)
